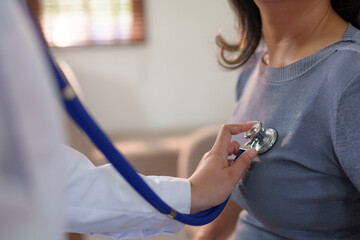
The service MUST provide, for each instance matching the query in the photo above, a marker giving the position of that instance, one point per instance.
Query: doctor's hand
(215, 178)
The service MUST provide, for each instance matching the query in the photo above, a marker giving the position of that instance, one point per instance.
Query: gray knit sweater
(308, 185)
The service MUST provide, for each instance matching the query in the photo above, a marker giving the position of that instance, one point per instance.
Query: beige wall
(171, 81)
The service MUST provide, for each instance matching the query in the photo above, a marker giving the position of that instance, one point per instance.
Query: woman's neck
(294, 29)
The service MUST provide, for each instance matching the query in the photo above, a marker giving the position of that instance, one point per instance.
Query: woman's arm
(223, 226)
(346, 132)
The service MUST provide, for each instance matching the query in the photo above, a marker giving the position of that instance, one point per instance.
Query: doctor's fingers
(242, 164)
(233, 148)
(225, 134)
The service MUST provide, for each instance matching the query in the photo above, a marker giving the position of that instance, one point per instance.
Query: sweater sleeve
(347, 130)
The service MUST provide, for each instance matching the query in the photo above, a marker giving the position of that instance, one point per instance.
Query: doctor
(47, 188)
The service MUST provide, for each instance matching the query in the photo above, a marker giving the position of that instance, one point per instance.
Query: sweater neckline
(301, 66)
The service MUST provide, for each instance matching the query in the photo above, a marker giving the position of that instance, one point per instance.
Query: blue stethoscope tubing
(78, 113)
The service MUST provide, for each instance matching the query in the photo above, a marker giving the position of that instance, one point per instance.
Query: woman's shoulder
(349, 46)
(344, 64)
(248, 68)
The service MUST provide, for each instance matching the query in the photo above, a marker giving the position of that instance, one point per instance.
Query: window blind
(91, 22)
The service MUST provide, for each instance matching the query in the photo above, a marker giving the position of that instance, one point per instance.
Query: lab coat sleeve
(100, 201)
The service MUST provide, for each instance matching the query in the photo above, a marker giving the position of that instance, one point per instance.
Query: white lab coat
(47, 188)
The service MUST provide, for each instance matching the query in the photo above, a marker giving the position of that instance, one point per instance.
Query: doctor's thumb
(243, 163)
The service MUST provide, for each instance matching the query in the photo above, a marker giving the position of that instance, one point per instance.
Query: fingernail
(252, 153)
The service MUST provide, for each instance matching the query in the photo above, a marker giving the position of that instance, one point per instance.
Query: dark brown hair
(250, 29)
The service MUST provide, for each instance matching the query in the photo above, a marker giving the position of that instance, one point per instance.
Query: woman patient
(300, 74)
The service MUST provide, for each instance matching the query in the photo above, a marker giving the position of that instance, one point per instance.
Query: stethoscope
(260, 139)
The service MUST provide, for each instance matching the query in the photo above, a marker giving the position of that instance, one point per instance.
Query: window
(90, 22)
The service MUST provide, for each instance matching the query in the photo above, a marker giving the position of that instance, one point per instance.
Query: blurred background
(148, 73)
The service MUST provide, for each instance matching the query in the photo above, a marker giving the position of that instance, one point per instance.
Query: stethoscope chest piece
(260, 139)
